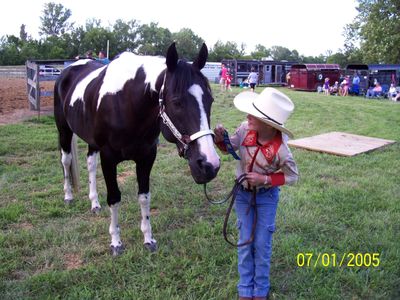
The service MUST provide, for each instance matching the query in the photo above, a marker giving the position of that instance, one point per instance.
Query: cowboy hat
(270, 106)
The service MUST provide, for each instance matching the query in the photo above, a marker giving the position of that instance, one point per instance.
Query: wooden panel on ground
(340, 143)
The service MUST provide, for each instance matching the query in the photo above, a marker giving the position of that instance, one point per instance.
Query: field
(337, 231)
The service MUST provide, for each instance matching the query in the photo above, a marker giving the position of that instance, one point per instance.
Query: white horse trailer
(211, 71)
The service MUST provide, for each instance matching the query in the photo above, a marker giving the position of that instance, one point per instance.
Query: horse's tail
(74, 164)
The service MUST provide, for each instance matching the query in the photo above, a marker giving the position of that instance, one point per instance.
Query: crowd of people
(352, 85)
(337, 89)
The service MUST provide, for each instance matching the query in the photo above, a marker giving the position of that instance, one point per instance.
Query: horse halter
(185, 140)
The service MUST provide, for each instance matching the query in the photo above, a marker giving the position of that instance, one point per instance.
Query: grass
(341, 206)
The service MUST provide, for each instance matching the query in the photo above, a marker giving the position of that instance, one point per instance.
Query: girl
(268, 163)
(326, 86)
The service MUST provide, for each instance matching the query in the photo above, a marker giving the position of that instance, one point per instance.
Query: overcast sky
(309, 26)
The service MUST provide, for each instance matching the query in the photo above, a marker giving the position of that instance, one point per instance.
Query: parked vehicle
(47, 70)
(270, 72)
(310, 77)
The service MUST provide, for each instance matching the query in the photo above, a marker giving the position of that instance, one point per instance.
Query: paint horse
(119, 110)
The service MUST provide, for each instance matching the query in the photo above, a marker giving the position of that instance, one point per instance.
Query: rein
(232, 194)
(185, 140)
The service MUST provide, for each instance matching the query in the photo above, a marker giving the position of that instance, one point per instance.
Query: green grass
(341, 205)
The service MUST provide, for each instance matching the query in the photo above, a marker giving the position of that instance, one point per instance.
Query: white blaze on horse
(119, 110)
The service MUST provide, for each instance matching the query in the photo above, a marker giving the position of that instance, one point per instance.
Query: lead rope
(233, 194)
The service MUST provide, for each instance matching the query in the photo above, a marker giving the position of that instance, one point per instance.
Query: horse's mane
(182, 77)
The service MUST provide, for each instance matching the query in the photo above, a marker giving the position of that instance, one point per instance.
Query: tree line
(372, 38)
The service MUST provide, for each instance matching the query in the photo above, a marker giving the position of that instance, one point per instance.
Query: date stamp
(347, 259)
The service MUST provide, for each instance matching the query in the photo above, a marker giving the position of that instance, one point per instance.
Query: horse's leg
(143, 169)
(92, 167)
(65, 137)
(109, 167)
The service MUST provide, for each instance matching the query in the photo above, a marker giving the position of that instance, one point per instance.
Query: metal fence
(13, 71)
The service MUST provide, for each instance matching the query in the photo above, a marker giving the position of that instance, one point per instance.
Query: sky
(312, 27)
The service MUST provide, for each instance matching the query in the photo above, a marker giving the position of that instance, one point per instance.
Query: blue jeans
(254, 259)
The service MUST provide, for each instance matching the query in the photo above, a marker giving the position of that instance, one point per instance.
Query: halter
(185, 140)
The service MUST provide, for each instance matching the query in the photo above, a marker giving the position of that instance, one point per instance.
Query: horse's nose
(207, 168)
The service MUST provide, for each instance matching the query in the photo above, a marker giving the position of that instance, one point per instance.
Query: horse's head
(185, 106)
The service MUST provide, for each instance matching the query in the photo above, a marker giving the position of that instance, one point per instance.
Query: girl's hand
(219, 133)
(256, 179)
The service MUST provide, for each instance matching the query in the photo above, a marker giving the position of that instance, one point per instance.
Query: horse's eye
(176, 102)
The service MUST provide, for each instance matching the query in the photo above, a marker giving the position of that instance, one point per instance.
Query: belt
(259, 189)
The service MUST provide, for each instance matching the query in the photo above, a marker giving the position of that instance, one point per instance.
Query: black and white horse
(119, 110)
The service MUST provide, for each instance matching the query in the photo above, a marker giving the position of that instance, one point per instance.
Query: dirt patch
(14, 106)
(72, 261)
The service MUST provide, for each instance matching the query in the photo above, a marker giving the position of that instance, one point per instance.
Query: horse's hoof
(152, 247)
(68, 201)
(116, 250)
(95, 210)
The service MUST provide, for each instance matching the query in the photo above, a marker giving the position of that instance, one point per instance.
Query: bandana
(269, 149)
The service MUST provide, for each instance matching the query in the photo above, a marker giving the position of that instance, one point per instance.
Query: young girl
(268, 163)
(228, 82)
(326, 87)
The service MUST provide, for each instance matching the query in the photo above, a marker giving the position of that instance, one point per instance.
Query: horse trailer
(270, 72)
(240, 69)
(211, 71)
(309, 77)
(385, 74)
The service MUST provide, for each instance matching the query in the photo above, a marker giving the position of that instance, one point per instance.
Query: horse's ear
(201, 59)
(172, 58)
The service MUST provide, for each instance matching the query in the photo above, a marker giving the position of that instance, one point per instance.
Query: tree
(10, 47)
(54, 20)
(125, 36)
(74, 41)
(22, 33)
(222, 51)
(154, 40)
(187, 43)
(260, 51)
(95, 37)
(337, 58)
(52, 48)
(377, 29)
(283, 53)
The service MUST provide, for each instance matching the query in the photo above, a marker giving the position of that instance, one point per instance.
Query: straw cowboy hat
(270, 106)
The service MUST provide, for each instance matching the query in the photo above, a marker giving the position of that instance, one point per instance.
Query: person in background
(334, 90)
(228, 81)
(88, 55)
(102, 58)
(355, 88)
(392, 92)
(374, 92)
(222, 81)
(267, 163)
(253, 79)
(326, 86)
(288, 80)
(344, 86)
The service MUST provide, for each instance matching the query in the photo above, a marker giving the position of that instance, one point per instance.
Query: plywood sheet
(340, 143)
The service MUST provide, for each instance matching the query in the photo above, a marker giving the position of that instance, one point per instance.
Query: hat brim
(244, 102)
